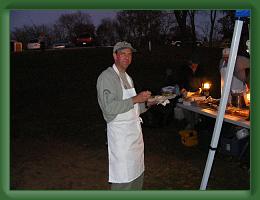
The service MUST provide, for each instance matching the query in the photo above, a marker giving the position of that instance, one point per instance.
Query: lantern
(205, 88)
(248, 97)
(248, 103)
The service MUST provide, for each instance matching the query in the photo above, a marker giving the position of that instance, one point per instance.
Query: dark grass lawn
(58, 138)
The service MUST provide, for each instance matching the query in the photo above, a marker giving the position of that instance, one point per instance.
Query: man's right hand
(142, 97)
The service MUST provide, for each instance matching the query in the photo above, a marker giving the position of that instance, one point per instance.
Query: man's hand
(142, 97)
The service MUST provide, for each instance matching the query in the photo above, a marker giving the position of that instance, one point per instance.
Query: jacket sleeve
(142, 108)
(242, 63)
(109, 98)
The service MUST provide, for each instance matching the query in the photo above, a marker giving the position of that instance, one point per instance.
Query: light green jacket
(110, 95)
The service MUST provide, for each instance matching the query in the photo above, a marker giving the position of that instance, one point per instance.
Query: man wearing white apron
(121, 107)
(238, 84)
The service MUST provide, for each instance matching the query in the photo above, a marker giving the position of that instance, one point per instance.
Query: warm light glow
(200, 90)
(206, 86)
(248, 96)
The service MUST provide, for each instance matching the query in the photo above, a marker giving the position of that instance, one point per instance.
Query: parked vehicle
(179, 43)
(61, 44)
(34, 44)
(84, 40)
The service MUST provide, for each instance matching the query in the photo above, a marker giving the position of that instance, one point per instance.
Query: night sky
(19, 18)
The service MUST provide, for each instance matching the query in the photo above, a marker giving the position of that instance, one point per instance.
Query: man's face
(194, 66)
(123, 58)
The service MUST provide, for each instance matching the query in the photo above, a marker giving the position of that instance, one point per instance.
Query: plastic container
(189, 138)
(237, 100)
(242, 133)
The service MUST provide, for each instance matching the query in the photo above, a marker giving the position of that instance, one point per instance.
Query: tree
(181, 17)
(210, 28)
(213, 14)
(139, 27)
(227, 28)
(59, 33)
(107, 32)
(26, 33)
(227, 23)
(191, 14)
(168, 23)
(75, 24)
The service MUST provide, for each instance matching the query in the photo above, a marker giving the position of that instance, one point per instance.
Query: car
(84, 40)
(179, 43)
(34, 44)
(61, 45)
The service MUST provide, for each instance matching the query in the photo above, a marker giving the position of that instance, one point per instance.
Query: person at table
(240, 80)
(192, 75)
(191, 79)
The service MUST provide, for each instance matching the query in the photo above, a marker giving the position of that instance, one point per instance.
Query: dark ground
(58, 138)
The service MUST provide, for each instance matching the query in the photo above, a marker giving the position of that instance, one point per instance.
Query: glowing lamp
(248, 97)
(248, 103)
(206, 86)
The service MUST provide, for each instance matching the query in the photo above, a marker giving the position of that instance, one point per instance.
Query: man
(121, 107)
(240, 79)
(192, 77)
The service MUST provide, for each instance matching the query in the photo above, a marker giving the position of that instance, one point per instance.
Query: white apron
(236, 84)
(125, 143)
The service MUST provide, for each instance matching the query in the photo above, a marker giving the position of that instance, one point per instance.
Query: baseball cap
(226, 51)
(123, 45)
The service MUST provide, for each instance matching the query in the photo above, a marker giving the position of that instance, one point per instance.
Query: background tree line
(137, 26)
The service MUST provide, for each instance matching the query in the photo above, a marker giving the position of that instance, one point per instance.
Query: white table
(236, 120)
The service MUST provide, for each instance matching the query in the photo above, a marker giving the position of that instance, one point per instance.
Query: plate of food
(157, 99)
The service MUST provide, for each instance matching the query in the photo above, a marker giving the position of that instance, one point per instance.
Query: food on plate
(156, 98)
(237, 111)
(161, 98)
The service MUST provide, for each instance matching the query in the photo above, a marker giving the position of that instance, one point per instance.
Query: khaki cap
(123, 45)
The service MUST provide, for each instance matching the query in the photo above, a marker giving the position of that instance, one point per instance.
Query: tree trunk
(193, 28)
(181, 20)
(212, 24)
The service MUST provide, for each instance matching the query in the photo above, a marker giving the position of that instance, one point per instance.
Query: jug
(237, 100)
